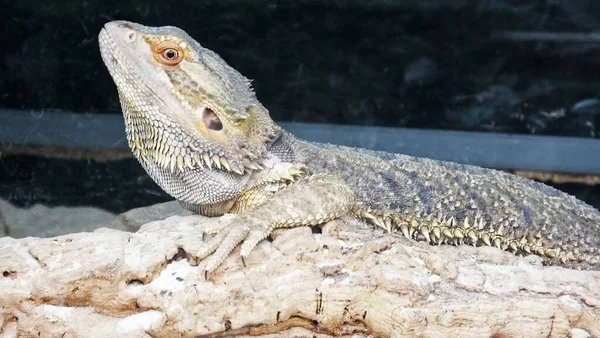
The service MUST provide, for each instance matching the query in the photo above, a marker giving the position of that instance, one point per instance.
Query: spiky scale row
(176, 158)
(149, 139)
(440, 230)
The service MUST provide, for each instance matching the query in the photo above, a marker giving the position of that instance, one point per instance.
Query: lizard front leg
(309, 201)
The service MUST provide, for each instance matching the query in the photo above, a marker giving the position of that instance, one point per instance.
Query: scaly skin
(197, 128)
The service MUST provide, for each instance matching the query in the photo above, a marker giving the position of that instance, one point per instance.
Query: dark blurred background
(527, 66)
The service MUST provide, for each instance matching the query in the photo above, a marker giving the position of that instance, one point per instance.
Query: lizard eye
(168, 53)
(211, 120)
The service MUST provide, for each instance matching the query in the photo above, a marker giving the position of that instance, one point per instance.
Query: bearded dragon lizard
(197, 128)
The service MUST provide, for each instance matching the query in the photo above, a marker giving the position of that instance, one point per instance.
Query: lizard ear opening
(211, 120)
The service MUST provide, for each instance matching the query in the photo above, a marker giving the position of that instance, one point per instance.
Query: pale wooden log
(348, 280)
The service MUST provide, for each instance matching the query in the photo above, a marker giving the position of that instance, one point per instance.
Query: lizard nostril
(130, 37)
(211, 120)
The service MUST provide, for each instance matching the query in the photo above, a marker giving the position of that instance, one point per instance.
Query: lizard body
(196, 127)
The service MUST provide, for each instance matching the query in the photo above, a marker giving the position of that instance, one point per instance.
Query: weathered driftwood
(347, 280)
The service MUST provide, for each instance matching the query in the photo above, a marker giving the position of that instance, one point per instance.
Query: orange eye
(168, 53)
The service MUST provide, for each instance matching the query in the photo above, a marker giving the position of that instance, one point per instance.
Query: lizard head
(185, 108)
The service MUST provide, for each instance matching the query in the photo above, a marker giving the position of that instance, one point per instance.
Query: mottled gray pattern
(413, 186)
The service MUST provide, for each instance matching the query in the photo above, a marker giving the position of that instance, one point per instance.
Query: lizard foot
(227, 236)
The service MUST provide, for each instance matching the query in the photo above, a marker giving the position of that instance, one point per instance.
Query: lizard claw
(227, 238)
(211, 245)
(254, 237)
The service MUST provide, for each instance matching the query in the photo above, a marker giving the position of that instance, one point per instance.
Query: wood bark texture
(348, 280)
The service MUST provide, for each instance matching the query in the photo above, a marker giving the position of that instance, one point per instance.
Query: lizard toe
(256, 235)
(212, 245)
(228, 242)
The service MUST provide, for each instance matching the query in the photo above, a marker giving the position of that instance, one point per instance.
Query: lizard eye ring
(168, 53)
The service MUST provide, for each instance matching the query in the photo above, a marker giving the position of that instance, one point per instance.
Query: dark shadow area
(463, 65)
(115, 186)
